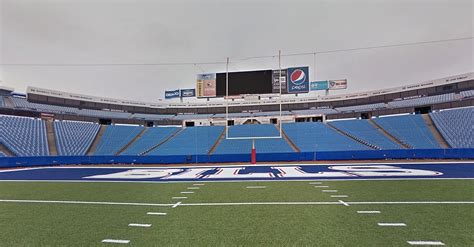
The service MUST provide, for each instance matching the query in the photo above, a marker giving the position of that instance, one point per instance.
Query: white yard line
(391, 224)
(339, 196)
(139, 225)
(368, 212)
(344, 203)
(176, 204)
(438, 243)
(115, 241)
(329, 191)
(156, 213)
(256, 187)
(180, 197)
(321, 186)
(233, 203)
(192, 188)
(315, 183)
(187, 192)
(198, 184)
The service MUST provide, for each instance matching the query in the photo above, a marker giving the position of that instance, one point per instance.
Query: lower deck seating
(310, 136)
(74, 138)
(456, 126)
(410, 129)
(24, 136)
(192, 140)
(116, 137)
(365, 131)
(149, 139)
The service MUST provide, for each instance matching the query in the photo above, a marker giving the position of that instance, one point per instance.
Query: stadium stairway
(216, 144)
(6, 151)
(434, 130)
(132, 141)
(355, 138)
(388, 135)
(53, 151)
(96, 141)
(164, 141)
(8, 102)
(288, 140)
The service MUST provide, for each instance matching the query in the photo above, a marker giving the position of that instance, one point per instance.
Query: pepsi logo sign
(298, 77)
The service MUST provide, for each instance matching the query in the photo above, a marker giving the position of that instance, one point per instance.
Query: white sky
(146, 31)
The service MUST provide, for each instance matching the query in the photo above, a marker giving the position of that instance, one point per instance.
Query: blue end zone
(375, 171)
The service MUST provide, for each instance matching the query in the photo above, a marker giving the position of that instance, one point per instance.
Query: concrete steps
(389, 136)
(216, 144)
(434, 130)
(355, 138)
(51, 138)
(132, 141)
(288, 140)
(161, 143)
(6, 151)
(97, 139)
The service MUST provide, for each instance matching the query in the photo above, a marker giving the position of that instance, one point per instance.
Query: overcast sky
(175, 31)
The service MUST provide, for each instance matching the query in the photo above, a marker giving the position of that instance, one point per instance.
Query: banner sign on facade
(318, 85)
(188, 92)
(172, 94)
(298, 80)
(276, 81)
(206, 85)
(337, 84)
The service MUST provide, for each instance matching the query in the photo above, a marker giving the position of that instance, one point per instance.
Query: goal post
(227, 100)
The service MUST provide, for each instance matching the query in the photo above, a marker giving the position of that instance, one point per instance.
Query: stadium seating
(116, 137)
(150, 138)
(230, 146)
(422, 101)
(1, 102)
(74, 138)
(456, 126)
(2, 154)
(22, 103)
(310, 136)
(192, 140)
(24, 136)
(325, 111)
(410, 129)
(359, 108)
(467, 94)
(364, 130)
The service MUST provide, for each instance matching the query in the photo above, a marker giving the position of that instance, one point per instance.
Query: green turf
(25, 224)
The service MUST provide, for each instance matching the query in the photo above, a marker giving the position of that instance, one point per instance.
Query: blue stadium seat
(410, 129)
(150, 138)
(24, 136)
(116, 137)
(456, 126)
(316, 136)
(74, 138)
(191, 140)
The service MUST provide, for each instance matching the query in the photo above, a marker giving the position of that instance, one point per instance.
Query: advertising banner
(298, 80)
(276, 81)
(337, 84)
(318, 85)
(172, 94)
(206, 85)
(188, 92)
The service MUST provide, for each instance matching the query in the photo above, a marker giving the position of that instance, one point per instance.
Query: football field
(315, 212)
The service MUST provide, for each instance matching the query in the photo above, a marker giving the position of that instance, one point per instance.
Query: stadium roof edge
(294, 100)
